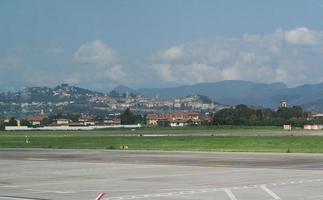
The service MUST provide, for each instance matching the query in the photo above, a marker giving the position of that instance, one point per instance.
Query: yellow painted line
(37, 159)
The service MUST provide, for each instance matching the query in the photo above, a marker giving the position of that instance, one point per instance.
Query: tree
(128, 117)
(12, 122)
(2, 126)
(24, 122)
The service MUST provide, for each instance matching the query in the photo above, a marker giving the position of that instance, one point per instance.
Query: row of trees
(243, 115)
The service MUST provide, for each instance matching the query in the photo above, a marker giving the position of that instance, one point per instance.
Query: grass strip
(294, 144)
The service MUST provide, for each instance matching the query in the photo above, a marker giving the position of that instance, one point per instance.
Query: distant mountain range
(233, 92)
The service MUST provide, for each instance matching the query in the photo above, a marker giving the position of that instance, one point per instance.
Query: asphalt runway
(27, 174)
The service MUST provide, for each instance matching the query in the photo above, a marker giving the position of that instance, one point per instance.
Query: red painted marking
(100, 196)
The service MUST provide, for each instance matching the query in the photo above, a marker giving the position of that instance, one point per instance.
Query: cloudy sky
(161, 43)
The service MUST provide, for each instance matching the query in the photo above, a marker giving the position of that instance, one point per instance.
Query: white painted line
(207, 190)
(271, 193)
(13, 198)
(9, 186)
(230, 194)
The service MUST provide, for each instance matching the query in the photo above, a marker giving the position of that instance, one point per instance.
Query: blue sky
(144, 43)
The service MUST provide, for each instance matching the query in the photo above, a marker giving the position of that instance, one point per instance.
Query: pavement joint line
(19, 198)
(49, 191)
(208, 190)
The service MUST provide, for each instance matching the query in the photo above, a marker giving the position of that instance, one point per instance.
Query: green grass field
(113, 139)
(206, 128)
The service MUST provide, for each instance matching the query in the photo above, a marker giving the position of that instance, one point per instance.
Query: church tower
(283, 104)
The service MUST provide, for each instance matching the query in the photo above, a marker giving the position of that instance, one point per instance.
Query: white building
(283, 104)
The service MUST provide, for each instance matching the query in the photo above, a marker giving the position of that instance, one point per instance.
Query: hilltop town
(70, 99)
(70, 106)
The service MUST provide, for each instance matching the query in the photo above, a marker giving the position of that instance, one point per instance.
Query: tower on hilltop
(283, 104)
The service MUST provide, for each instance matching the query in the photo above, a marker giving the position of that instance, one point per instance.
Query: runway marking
(187, 192)
(9, 186)
(271, 193)
(230, 194)
(209, 190)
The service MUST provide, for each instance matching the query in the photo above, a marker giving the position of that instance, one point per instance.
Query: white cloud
(303, 36)
(170, 54)
(165, 72)
(99, 62)
(292, 56)
(116, 74)
(96, 52)
(279, 56)
(95, 66)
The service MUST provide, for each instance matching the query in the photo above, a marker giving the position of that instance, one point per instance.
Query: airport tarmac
(27, 174)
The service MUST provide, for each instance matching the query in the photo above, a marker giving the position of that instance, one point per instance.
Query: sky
(100, 44)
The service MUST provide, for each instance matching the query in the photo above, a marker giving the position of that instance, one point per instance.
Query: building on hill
(283, 104)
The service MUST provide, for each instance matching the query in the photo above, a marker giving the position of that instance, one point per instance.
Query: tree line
(244, 115)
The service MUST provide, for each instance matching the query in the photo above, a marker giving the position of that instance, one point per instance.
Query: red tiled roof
(38, 117)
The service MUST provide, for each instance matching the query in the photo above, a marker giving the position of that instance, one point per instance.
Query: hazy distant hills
(60, 93)
(225, 92)
(235, 92)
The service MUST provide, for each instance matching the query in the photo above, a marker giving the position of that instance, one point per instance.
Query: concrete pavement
(83, 174)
